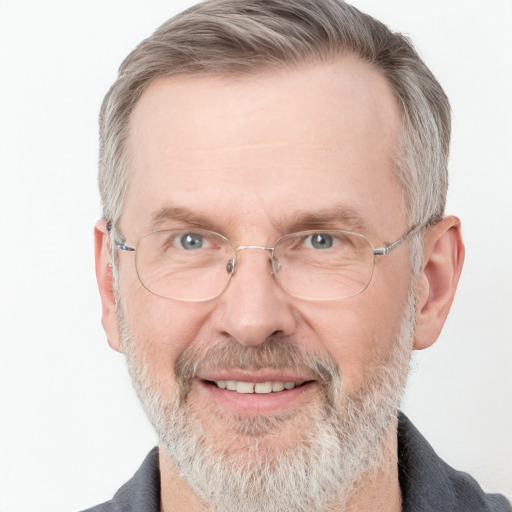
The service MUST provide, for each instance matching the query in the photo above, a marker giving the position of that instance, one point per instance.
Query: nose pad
(230, 266)
(276, 266)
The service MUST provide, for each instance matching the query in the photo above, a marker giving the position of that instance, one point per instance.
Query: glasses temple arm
(118, 239)
(383, 251)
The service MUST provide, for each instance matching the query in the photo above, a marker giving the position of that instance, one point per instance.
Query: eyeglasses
(196, 265)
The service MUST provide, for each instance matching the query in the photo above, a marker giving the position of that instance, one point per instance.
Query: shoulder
(429, 484)
(141, 492)
(108, 506)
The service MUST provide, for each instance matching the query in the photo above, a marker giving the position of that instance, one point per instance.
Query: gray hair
(234, 37)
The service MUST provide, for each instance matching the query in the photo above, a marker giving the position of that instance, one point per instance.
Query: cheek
(161, 330)
(358, 334)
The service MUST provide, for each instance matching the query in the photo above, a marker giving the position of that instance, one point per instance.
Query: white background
(71, 431)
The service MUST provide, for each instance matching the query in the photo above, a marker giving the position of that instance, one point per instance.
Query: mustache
(274, 353)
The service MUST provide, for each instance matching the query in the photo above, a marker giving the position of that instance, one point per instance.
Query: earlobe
(443, 257)
(105, 282)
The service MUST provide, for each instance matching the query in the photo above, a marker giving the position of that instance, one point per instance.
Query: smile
(241, 393)
(254, 387)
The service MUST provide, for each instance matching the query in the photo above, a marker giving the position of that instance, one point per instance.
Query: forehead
(273, 142)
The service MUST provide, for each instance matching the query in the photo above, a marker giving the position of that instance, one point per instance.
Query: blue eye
(191, 241)
(321, 241)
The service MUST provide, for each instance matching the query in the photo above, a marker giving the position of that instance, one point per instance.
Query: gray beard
(342, 440)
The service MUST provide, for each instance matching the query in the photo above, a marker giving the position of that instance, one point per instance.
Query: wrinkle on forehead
(263, 145)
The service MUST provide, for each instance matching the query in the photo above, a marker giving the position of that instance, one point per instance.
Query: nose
(254, 307)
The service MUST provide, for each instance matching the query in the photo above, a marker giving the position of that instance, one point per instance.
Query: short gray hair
(234, 37)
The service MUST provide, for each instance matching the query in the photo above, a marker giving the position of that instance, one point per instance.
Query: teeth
(263, 387)
(277, 386)
(250, 387)
(244, 387)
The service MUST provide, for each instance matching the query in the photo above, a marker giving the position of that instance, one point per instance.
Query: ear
(443, 256)
(105, 281)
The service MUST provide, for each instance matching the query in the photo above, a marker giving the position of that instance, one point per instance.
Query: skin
(250, 156)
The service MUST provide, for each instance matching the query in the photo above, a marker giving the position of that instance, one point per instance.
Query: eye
(190, 241)
(319, 241)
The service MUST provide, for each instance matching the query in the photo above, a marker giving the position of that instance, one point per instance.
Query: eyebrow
(179, 214)
(338, 217)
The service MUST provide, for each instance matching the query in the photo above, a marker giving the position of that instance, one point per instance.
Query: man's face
(254, 158)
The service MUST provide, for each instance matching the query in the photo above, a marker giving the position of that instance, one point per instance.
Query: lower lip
(252, 404)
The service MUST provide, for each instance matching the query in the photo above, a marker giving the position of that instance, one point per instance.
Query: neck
(378, 490)
(176, 493)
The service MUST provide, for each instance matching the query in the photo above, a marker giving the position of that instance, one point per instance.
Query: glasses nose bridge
(254, 248)
(269, 250)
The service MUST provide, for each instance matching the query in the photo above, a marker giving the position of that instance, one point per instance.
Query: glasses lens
(323, 265)
(184, 265)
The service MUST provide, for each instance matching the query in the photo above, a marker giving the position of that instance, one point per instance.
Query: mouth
(250, 395)
(258, 388)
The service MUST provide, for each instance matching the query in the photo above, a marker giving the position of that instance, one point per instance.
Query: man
(273, 177)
